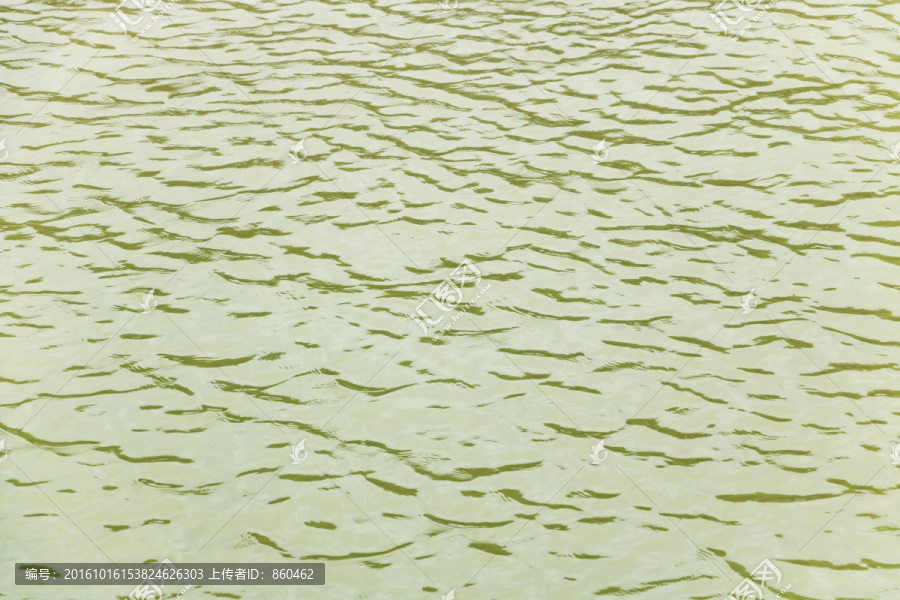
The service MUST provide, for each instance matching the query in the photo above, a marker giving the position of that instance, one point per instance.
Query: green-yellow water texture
(712, 293)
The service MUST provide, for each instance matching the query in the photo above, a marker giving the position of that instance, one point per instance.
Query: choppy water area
(219, 217)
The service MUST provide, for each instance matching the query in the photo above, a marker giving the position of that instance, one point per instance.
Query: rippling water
(751, 169)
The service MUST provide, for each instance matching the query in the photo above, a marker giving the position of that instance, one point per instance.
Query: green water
(757, 163)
